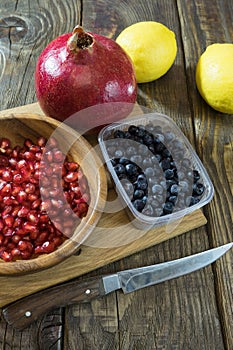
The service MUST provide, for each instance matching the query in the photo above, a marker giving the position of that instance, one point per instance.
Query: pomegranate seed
(25, 227)
(29, 227)
(52, 142)
(3, 160)
(25, 245)
(20, 231)
(49, 156)
(71, 166)
(57, 241)
(15, 252)
(26, 173)
(44, 218)
(38, 155)
(9, 220)
(48, 247)
(42, 236)
(28, 143)
(6, 189)
(1, 239)
(15, 238)
(34, 148)
(36, 204)
(34, 235)
(5, 143)
(32, 197)
(21, 196)
(6, 256)
(6, 211)
(1, 224)
(41, 141)
(33, 217)
(71, 176)
(58, 156)
(8, 231)
(30, 188)
(17, 178)
(23, 212)
(25, 254)
(6, 175)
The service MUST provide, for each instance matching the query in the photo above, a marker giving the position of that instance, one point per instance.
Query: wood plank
(214, 141)
(25, 29)
(165, 316)
(154, 318)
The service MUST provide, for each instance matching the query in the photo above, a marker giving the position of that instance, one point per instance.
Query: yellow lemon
(152, 48)
(214, 77)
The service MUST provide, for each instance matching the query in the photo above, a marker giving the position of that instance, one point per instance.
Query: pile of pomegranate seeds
(43, 197)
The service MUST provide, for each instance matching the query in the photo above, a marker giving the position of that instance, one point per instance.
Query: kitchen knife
(23, 312)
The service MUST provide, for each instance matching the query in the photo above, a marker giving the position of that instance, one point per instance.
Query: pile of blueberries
(153, 169)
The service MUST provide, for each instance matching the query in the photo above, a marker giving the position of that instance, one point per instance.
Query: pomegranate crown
(79, 40)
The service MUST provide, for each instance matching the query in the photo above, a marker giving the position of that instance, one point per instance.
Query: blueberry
(141, 183)
(119, 134)
(198, 189)
(168, 190)
(119, 169)
(166, 163)
(158, 138)
(191, 200)
(131, 169)
(138, 194)
(169, 173)
(132, 129)
(196, 175)
(168, 208)
(148, 139)
(166, 153)
(140, 132)
(159, 147)
(123, 161)
(174, 190)
(172, 199)
(138, 204)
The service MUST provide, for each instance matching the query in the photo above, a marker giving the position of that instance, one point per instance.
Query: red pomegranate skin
(67, 81)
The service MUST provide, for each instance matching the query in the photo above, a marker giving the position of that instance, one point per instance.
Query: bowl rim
(87, 224)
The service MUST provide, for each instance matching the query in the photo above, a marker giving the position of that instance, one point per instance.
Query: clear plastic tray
(164, 125)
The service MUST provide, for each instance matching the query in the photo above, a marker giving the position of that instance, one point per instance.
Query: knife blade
(23, 312)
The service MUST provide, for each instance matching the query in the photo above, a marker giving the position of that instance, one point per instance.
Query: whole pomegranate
(82, 69)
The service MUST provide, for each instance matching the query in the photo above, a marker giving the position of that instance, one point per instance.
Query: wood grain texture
(194, 312)
(212, 23)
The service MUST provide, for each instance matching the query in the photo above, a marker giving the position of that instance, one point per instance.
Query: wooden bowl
(18, 127)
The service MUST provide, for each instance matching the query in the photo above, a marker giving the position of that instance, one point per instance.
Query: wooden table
(194, 311)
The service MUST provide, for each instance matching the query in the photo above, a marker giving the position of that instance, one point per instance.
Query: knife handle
(23, 312)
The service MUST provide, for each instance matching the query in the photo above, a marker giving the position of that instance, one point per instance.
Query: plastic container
(185, 162)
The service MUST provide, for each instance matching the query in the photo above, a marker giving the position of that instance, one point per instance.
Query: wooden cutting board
(114, 238)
